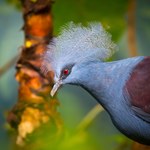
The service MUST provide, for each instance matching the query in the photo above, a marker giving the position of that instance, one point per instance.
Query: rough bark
(34, 106)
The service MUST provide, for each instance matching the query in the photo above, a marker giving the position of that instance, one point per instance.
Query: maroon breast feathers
(138, 88)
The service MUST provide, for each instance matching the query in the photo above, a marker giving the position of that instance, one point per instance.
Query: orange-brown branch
(34, 106)
(137, 146)
(132, 28)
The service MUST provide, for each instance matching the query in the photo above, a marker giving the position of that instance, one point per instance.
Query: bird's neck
(105, 81)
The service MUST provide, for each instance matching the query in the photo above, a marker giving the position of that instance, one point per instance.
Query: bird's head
(64, 76)
(74, 46)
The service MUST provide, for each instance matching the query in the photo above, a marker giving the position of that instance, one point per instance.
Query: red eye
(66, 71)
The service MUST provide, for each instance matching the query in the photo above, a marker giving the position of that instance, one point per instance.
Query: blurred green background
(75, 102)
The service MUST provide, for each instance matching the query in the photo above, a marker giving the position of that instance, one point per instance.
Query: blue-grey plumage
(77, 57)
(106, 82)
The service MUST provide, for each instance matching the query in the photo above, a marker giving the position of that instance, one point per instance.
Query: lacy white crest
(77, 43)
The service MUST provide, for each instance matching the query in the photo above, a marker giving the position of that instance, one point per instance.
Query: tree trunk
(34, 108)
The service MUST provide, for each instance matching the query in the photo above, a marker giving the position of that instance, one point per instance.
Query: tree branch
(90, 117)
(8, 65)
(34, 107)
(132, 28)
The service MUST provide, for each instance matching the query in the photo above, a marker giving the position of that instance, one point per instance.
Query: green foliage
(16, 3)
(142, 27)
(110, 13)
(44, 139)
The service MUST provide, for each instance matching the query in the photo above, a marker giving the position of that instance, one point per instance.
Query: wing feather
(138, 89)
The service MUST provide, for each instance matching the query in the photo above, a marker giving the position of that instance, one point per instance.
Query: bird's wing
(138, 89)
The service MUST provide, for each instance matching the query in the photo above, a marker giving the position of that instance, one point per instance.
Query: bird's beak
(56, 87)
